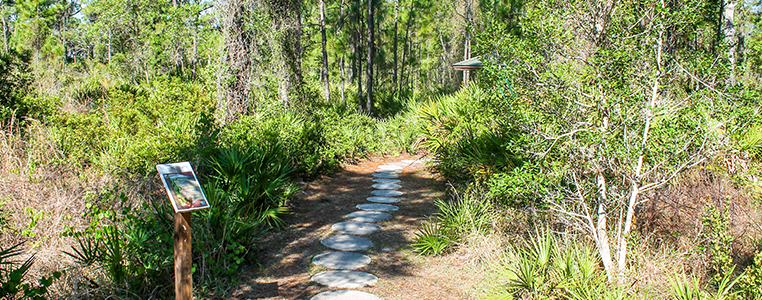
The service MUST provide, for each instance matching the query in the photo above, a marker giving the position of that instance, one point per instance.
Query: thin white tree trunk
(635, 188)
(602, 240)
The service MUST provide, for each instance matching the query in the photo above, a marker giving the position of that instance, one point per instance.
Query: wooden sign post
(183, 257)
(186, 195)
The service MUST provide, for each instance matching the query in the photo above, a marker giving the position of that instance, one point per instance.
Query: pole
(183, 263)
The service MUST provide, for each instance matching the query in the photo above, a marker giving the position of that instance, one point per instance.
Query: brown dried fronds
(674, 215)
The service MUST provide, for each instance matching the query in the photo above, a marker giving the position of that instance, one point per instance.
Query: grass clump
(456, 220)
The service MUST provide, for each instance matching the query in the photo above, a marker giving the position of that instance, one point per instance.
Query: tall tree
(323, 41)
(287, 15)
(236, 99)
(394, 44)
(371, 56)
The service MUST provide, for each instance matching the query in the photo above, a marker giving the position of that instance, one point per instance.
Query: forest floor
(285, 262)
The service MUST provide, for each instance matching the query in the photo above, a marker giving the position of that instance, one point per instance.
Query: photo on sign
(182, 187)
(185, 191)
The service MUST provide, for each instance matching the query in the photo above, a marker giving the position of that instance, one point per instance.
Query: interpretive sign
(186, 195)
(182, 187)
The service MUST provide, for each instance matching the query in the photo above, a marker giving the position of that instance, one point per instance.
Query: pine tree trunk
(394, 45)
(236, 100)
(371, 50)
(729, 31)
(357, 54)
(324, 73)
(405, 46)
(288, 21)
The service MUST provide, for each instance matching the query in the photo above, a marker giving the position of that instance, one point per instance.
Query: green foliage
(246, 189)
(255, 179)
(13, 281)
(525, 186)
(683, 289)
(132, 248)
(471, 140)
(456, 219)
(751, 141)
(544, 267)
(751, 280)
(15, 87)
(430, 240)
(136, 127)
(719, 239)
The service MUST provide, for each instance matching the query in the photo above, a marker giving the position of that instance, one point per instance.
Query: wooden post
(183, 263)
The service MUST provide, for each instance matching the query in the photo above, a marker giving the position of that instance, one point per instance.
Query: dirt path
(287, 268)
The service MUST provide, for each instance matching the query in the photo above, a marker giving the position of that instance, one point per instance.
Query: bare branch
(711, 88)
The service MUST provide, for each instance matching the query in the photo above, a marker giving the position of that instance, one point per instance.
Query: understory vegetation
(606, 150)
(618, 162)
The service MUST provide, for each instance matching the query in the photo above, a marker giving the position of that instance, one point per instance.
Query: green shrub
(254, 179)
(545, 267)
(520, 187)
(431, 240)
(132, 247)
(246, 189)
(471, 140)
(135, 127)
(13, 281)
(298, 138)
(751, 280)
(455, 220)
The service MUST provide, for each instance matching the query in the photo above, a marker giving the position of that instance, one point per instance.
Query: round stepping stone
(385, 175)
(390, 167)
(345, 295)
(341, 260)
(345, 279)
(385, 180)
(383, 199)
(386, 186)
(386, 193)
(368, 216)
(346, 242)
(355, 228)
(377, 207)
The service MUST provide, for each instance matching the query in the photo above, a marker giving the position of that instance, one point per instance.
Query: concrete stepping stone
(383, 199)
(345, 295)
(341, 260)
(385, 180)
(345, 278)
(388, 171)
(387, 193)
(385, 175)
(355, 228)
(346, 242)
(390, 167)
(386, 186)
(368, 216)
(377, 207)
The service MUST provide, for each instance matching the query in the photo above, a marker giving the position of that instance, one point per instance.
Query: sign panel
(182, 186)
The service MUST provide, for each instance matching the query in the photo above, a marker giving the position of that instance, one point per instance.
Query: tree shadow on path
(286, 254)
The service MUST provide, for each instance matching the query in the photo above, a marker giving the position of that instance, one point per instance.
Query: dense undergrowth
(99, 144)
(614, 161)
(502, 192)
(634, 148)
